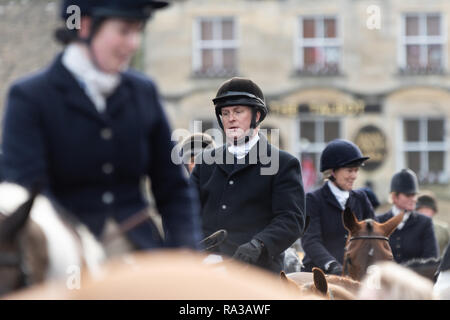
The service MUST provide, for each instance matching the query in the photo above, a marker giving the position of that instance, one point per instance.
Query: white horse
(442, 286)
(66, 245)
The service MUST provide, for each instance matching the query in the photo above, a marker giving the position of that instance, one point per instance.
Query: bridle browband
(348, 260)
(368, 238)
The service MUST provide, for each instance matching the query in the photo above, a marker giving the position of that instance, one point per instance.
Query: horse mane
(421, 262)
(340, 293)
(344, 281)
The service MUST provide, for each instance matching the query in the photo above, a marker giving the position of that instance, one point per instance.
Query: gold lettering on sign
(320, 108)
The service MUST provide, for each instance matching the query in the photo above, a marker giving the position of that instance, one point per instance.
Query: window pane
(330, 27)
(411, 130)
(436, 161)
(227, 30)
(413, 55)
(435, 56)
(207, 59)
(309, 56)
(307, 131)
(433, 25)
(331, 130)
(309, 28)
(331, 56)
(229, 59)
(436, 130)
(207, 30)
(412, 26)
(413, 161)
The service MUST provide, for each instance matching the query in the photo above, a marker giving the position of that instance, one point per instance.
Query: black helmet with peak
(240, 92)
(341, 153)
(405, 182)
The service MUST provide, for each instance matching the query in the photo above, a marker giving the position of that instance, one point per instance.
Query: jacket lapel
(225, 157)
(74, 95)
(330, 197)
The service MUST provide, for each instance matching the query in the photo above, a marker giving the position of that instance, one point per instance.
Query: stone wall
(26, 39)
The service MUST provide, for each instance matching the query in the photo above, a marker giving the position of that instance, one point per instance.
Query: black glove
(334, 268)
(249, 252)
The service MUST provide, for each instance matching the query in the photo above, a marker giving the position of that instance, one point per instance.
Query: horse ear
(320, 281)
(14, 223)
(389, 226)
(349, 220)
(283, 276)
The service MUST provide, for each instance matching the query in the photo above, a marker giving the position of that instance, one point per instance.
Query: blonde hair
(327, 174)
(388, 280)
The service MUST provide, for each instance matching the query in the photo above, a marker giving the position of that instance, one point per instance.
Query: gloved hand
(249, 252)
(334, 268)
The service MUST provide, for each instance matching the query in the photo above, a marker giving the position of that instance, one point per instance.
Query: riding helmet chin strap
(95, 26)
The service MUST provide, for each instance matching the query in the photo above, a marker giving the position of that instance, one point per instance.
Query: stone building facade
(374, 72)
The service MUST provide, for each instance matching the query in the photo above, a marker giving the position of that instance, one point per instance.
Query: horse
(388, 280)
(367, 243)
(427, 268)
(176, 274)
(442, 285)
(321, 286)
(39, 241)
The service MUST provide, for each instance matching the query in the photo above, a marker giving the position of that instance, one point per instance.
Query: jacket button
(224, 207)
(106, 133)
(107, 168)
(231, 182)
(108, 198)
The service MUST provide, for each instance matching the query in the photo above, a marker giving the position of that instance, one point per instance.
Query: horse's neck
(68, 248)
(349, 284)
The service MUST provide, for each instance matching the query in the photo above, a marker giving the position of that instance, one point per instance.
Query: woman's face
(345, 177)
(405, 201)
(115, 43)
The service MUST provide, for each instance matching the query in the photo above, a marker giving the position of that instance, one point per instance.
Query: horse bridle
(368, 238)
(348, 260)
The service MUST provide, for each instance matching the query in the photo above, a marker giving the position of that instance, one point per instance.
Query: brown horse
(323, 286)
(367, 243)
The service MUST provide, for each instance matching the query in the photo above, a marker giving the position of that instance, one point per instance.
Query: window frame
(423, 146)
(216, 44)
(423, 41)
(300, 42)
(317, 147)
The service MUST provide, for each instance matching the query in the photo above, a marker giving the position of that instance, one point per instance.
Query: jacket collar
(258, 154)
(330, 197)
(75, 97)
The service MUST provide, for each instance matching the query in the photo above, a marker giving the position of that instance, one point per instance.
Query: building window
(314, 136)
(318, 46)
(424, 148)
(422, 44)
(215, 47)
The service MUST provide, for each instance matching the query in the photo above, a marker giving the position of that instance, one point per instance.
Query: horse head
(367, 242)
(19, 256)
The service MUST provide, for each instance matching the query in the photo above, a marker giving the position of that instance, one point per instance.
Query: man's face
(405, 201)
(236, 121)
